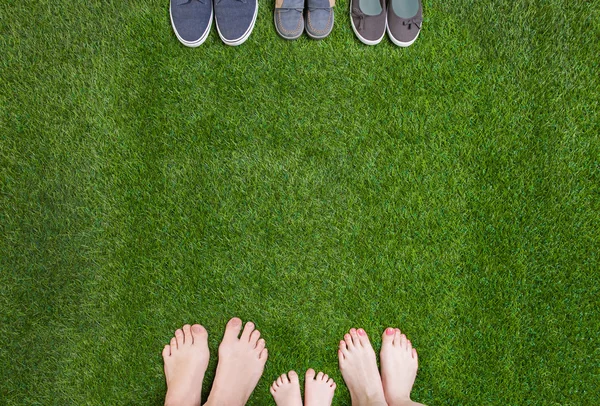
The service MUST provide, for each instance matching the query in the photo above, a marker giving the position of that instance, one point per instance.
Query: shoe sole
(400, 43)
(321, 36)
(364, 40)
(243, 38)
(200, 41)
(279, 32)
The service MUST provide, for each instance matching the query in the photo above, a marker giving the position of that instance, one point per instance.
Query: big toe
(199, 334)
(310, 374)
(388, 337)
(364, 338)
(293, 377)
(232, 329)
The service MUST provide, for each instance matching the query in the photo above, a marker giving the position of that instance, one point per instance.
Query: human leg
(318, 389)
(186, 360)
(399, 364)
(358, 365)
(286, 390)
(241, 364)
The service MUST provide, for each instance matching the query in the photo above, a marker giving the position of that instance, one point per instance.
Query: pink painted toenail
(361, 332)
(389, 331)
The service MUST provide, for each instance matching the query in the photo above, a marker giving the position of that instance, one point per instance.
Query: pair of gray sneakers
(401, 18)
(192, 19)
(290, 22)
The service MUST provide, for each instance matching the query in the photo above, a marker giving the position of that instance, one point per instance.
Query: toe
(254, 337)
(284, 378)
(179, 337)
(403, 341)
(173, 344)
(333, 385)
(166, 351)
(187, 335)
(388, 336)
(348, 340)
(248, 329)
(272, 389)
(320, 376)
(232, 329)
(396, 337)
(414, 354)
(264, 354)
(354, 336)
(260, 345)
(325, 378)
(310, 374)
(279, 380)
(363, 338)
(199, 334)
(293, 376)
(341, 355)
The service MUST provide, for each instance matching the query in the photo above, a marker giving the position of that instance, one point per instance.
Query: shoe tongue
(405, 8)
(319, 4)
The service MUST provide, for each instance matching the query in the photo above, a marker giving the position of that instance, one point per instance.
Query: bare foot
(241, 364)
(186, 360)
(319, 391)
(286, 392)
(359, 369)
(399, 365)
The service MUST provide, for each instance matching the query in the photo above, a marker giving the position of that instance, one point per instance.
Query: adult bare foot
(399, 363)
(359, 369)
(241, 364)
(286, 391)
(318, 391)
(186, 360)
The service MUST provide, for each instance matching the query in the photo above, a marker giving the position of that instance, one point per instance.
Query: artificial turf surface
(451, 189)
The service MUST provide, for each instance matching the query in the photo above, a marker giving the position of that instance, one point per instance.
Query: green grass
(451, 189)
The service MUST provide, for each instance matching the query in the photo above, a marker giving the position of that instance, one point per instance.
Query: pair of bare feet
(241, 363)
(242, 359)
(358, 365)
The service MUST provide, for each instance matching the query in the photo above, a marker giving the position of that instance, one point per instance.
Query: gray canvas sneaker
(319, 18)
(191, 20)
(368, 18)
(404, 21)
(289, 21)
(235, 20)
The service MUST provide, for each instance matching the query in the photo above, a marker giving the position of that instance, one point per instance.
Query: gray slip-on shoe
(191, 20)
(289, 21)
(368, 18)
(235, 20)
(404, 21)
(319, 18)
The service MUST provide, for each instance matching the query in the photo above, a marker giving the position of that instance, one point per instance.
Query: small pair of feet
(318, 389)
(358, 364)
(242, 360)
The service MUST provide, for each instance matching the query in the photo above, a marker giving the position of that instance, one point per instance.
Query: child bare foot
(318, 391)
(186, 360)
(359, 369)
(399, 365)
(241, 364)
(286, 391)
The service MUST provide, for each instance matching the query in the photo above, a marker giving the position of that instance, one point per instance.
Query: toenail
(389, 331)
(361, 332)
